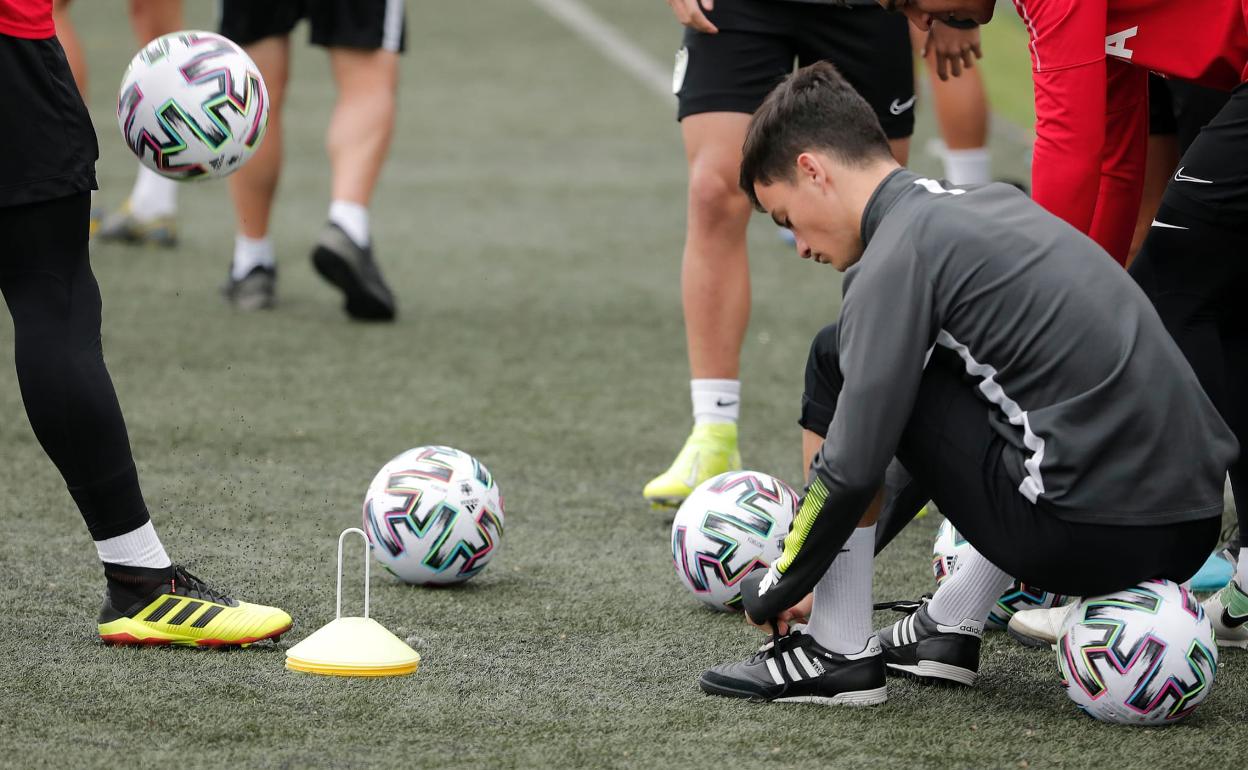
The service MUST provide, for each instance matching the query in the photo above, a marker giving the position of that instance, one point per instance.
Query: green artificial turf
(531, 221)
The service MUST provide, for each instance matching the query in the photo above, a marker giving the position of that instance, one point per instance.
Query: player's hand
(954, 49)
(798, 613)
(690, 13)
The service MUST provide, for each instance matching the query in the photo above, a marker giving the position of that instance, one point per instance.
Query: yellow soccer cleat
(123, 226)
(188, 612)
(710, 450)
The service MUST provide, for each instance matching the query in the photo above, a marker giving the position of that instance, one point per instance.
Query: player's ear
(812, 168)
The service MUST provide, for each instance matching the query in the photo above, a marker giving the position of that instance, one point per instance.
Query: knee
(714, 196)
(823, 382)
(824, 356)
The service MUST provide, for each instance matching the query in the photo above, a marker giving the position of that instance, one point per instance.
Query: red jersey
(30, 19)
(1090, 60)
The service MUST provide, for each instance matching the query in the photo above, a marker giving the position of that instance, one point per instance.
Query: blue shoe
(1214, 574)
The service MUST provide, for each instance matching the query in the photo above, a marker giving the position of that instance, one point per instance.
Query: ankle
(128, 585)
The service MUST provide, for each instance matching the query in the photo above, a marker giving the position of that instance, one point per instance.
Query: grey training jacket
(1104, 420)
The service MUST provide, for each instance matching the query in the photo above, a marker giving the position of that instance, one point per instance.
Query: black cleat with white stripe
(919, 647)
(794, 668)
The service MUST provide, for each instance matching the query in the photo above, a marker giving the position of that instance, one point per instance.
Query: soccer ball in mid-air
(729, 526)
(950, 546)
(1142, 656)
(192, 105)
(433, 516)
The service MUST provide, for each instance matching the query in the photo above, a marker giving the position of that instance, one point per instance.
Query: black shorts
(1211, 183)
(1180, 109)
(49, 146)
(952, 452)
(366, 24)
(759, 40)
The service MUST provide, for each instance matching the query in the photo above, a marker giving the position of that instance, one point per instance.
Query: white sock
(1241, 570)
(137, 548)
(969, 592)
(841, 617)
(250, 253)
(715, 400)
(972, 166)
(353, 219)
(153, 196)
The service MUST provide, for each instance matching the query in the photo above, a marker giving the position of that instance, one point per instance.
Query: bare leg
(363, 120)
(961, 105)
(152, 18)
(715, 272)
(1163, 159)
(900, 149)
(67, 33)
(254, 186)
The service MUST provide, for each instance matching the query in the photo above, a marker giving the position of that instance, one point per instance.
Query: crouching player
(1021, 377)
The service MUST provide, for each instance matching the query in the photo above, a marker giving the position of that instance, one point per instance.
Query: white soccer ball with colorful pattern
(728, 527)
(192, 105)
(433, 516)
(1143, 656)
(950, 546)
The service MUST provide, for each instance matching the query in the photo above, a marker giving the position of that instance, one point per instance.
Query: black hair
(812, 109)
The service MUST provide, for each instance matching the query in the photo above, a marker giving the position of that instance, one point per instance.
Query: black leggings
(1194, 267)
(952, 452)
(52, 295)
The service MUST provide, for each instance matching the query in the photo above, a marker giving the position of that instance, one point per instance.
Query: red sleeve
(1070, 133)
(1068, 66)
(1123, 159)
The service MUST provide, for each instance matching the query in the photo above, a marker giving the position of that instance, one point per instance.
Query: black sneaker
(919, 647)
(255, 291)
(794, 668)
(344, 264)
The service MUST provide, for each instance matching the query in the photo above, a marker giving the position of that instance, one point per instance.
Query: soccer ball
(728, 527)
(192, 105)
(1143, 656)
(950, 546)
(433, 516)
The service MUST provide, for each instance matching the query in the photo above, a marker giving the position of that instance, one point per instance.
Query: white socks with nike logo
(964, 167)
(715, 400)
(841, 618)
(970, 592)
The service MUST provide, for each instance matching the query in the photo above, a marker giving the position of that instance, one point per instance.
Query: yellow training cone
(353, 646)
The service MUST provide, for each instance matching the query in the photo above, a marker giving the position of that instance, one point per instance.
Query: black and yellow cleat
(124, 226)
(185, 611)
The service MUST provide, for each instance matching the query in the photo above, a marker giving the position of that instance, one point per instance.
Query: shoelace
(771, 650)
(193, 586)
(904, 606)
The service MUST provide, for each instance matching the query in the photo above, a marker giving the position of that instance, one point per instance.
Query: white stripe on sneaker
(794, 674)
(775, 671)
(800, 654)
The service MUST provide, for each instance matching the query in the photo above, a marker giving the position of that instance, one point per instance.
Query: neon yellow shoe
(188, 612)
(122, 226)
(710, 450)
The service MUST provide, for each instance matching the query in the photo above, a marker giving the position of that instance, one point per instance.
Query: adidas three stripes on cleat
(186, 611)
(794, 668)
(919, 647)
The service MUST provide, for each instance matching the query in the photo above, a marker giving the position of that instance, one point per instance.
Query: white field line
(612, 44)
